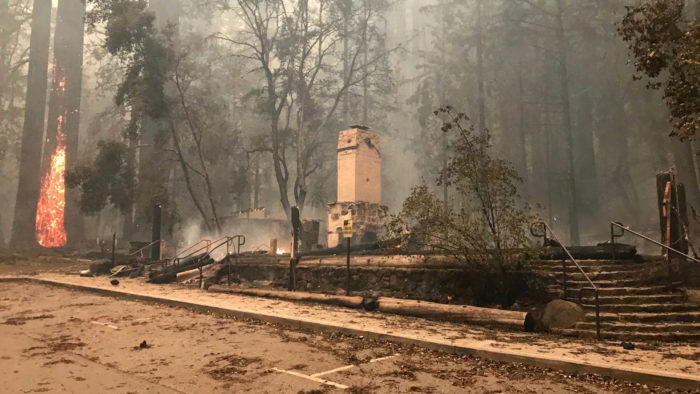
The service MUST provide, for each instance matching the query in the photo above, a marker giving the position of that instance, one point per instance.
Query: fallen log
(169, 274)
(207, 272)
(457, 313)
(453, 313)
(337, 300)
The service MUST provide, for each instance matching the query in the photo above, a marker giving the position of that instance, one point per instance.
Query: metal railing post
(228, 262)
(612, 241)
(668, 250)
(597, 315)
(585, 276)
(563, 272)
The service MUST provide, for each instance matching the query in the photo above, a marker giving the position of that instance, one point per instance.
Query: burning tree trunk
(63, 124)
(23, 234)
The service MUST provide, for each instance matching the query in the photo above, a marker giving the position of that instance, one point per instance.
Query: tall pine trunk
(64, 100)
(480, 67)
(155, 138)
(574, 238)
(24, 225)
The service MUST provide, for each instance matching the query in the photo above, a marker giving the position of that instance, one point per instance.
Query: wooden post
(347, 284)
(294, 258)
(155, 233)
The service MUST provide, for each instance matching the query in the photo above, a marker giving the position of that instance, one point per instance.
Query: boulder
(561, 314)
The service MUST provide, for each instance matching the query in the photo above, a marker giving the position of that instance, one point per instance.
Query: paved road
(56, 340)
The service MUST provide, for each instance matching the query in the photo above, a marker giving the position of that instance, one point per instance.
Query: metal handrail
(207, 246)
(668, 248)
(228, 241)
(626, 228)
(585, 275)
(208, 241)
(143, 248)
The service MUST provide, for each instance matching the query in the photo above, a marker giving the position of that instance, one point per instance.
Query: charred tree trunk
(480, 68)
(346, 11)
(574, 237)
(23, 228)
(522, 149)
(152, 183)
(586, 163)
(365, 83)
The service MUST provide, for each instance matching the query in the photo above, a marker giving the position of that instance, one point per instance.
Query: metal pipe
(655, 242)
(563, 272)
(573, 260)
(612, 241)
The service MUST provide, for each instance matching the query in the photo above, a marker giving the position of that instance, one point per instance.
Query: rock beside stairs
(561, 314)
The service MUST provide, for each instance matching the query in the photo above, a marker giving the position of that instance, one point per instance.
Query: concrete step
(587, 263)
(633, 336)
(576, 283)
(618, 291)
(647, 317)
(643, 308)
(596, 276)
(608, 327)
(554, 267)
(589, 299)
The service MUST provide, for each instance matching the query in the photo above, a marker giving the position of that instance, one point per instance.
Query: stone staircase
(636, 301)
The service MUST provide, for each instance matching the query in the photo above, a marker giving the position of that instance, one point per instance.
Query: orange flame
(50, 232)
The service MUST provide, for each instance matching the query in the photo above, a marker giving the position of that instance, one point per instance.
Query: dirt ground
(56, 340)
(32, 264)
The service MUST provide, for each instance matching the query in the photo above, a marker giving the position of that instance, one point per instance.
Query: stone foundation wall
(368, 222)
(430, 284)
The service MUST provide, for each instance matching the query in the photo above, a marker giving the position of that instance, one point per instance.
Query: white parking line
(105, 325)
(334, 370)
(374, 360)
(315, 379)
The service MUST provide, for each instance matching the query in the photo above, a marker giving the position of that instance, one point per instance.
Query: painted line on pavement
(312, 378)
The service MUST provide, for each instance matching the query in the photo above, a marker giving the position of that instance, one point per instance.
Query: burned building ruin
(359, 188)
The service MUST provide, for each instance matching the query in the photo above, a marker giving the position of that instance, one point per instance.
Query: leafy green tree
(489, 223)
(109, 180)
(665, 45)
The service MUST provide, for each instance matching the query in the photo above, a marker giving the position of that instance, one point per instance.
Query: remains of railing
(210, 246)
(240, 241)
(140, 251)
(187, 249)
(207, 247)
(543, 228)
(669, 250)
